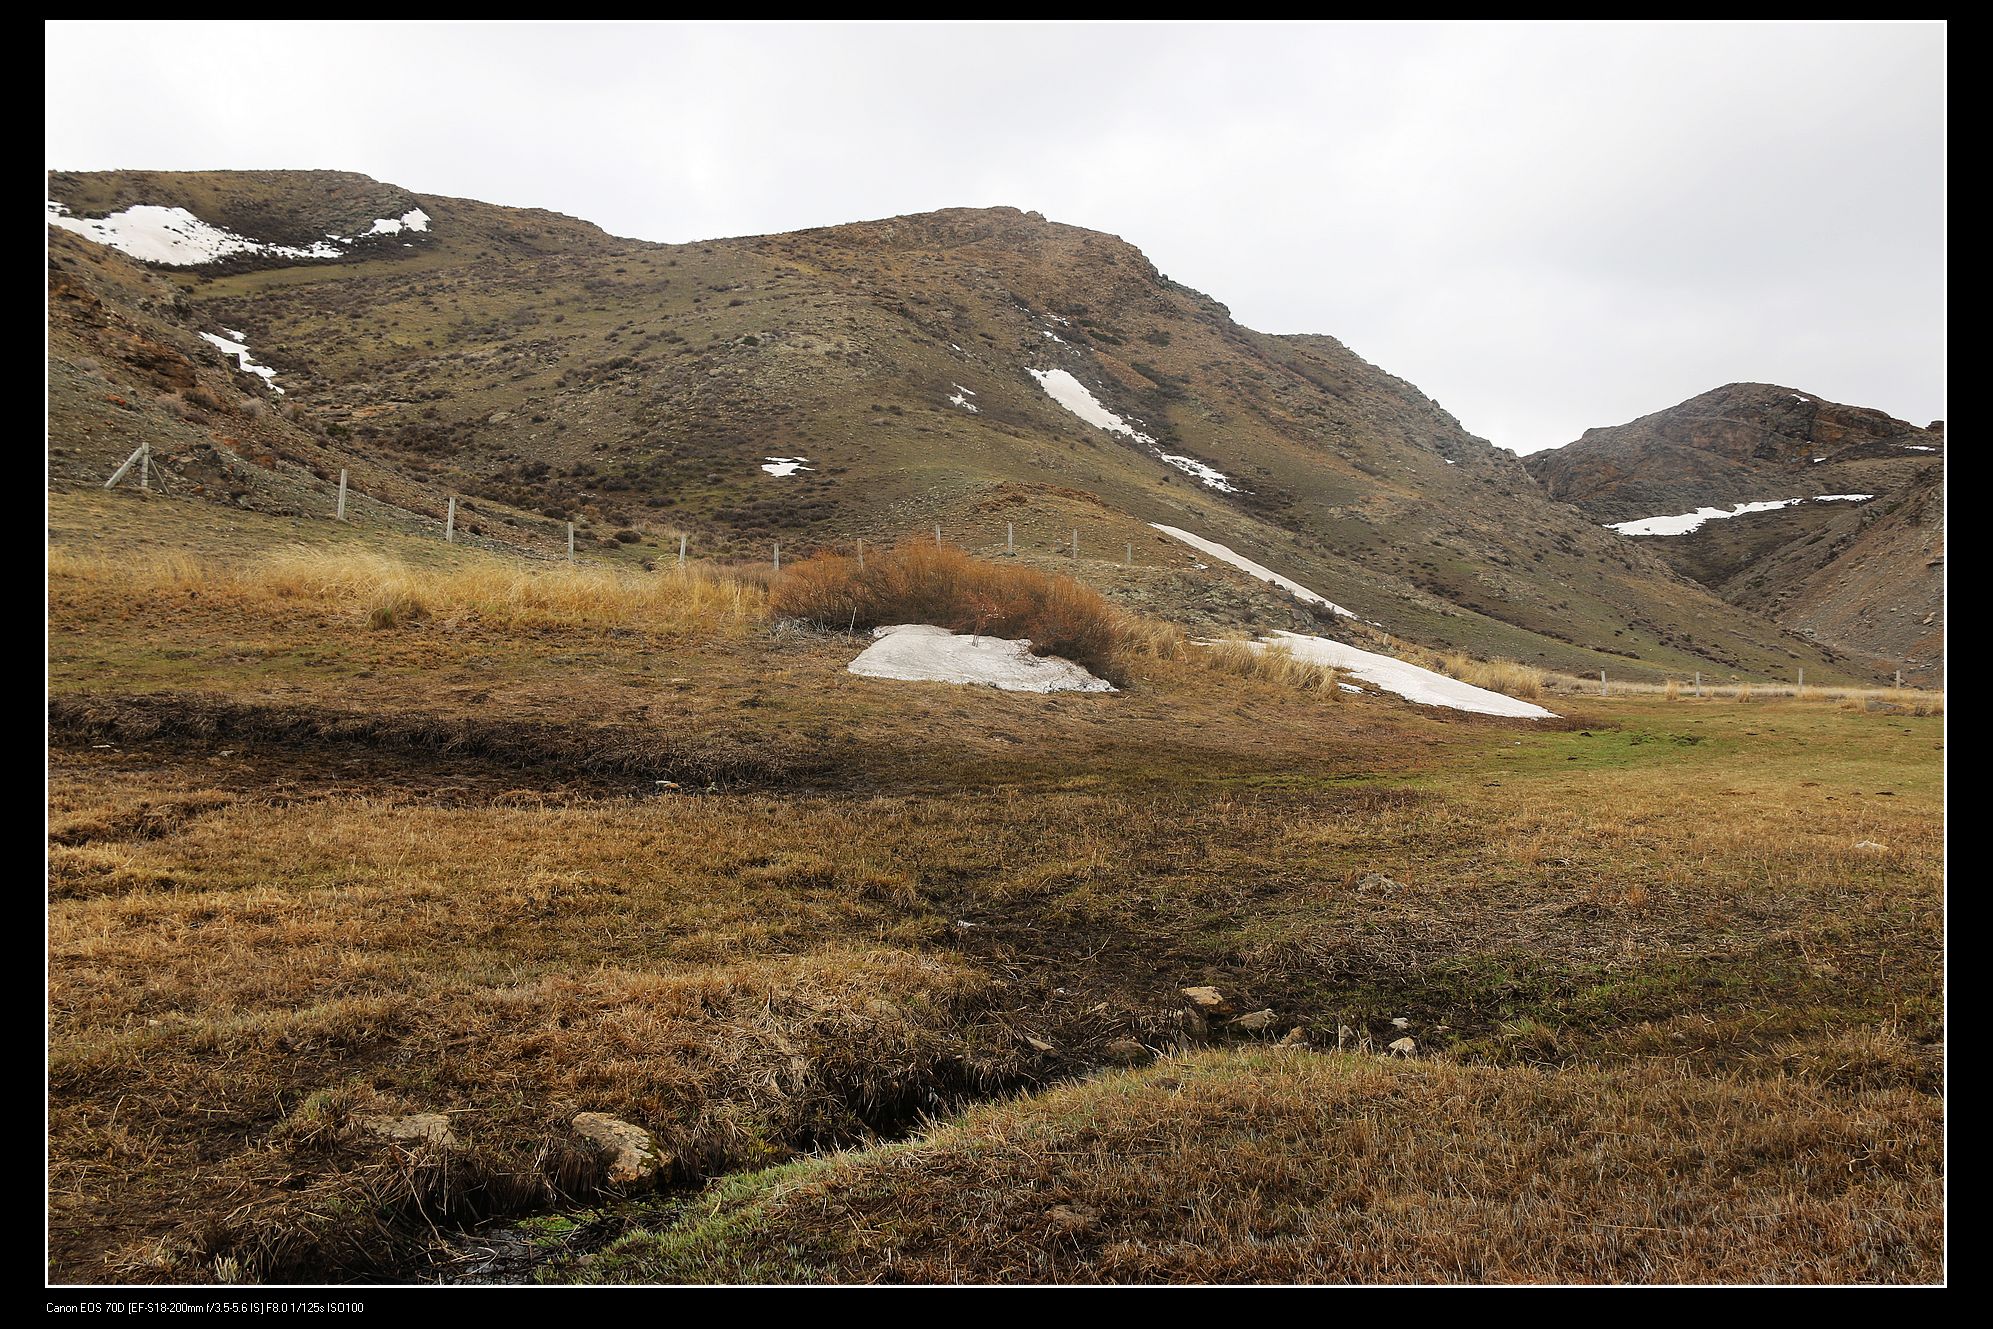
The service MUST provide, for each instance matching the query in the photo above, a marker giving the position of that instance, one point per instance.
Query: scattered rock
(419, 1128)
(631, 1152)
(1376, 883)
(1125, 1052)
(1400, 1022)
(1072, 1217)
(1405, 1047)
(1206, 999)
(1255, 1020)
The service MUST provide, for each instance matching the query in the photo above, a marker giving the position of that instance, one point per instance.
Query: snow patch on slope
(785, 465)
(177, 238)
(961, 399)
(1409, 681)
(413, 220)
(918, 652)
(1072, 394)
(243, 360)
(1246, 565)
(1683, 523)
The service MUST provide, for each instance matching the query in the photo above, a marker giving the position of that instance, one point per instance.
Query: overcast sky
(1543, 227)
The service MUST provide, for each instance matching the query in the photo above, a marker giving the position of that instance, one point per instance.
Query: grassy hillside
(547, 372)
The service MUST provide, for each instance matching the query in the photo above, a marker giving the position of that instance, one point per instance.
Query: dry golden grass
(1271, 662)
(386, 593)
(1296, 1166)
(1507, 676)
(918, 582)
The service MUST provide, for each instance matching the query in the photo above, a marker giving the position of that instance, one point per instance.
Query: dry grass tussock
(1306, 1167)
(388, 593)
(923, 583)
(1505, 676)
(1271, 663)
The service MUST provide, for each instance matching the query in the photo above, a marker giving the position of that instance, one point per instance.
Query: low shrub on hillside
(922, 583)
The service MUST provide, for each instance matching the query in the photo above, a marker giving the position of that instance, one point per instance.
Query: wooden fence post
(681, 549)
(570, 542)
(778, 555)
(145, 466)
(1602, 684)
(1010, 542)
(861, 552)
(450, 523)
(1076, 544)
(130, 462)
(341, 514)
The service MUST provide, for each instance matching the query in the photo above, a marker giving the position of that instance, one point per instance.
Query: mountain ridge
(546, 371)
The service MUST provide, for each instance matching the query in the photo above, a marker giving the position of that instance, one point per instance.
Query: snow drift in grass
(1684, 522)
(785, 465)
(1407, 680)
(1246, 565)
(1072, 394)
(918, 652)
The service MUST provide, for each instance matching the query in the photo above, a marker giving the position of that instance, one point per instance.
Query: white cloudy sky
(1544, 227)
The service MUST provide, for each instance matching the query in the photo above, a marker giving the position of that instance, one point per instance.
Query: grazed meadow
(893, 969)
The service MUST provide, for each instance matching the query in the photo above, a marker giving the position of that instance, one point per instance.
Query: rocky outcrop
(1861, 579)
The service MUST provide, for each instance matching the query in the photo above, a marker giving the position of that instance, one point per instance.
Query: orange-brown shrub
(919, 583)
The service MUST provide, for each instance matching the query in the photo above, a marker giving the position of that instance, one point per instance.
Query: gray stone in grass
(418, 1128)
(631, 1152)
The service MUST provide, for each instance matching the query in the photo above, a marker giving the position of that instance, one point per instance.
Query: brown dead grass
(919, 582)
(1294, 1166)
(386, 593)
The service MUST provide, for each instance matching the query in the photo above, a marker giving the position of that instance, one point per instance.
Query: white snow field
(177, 238)
(1685, 522)
(918, 652)
(1407, 680)
(961, 399)
(785, 465)
(1072, 394)
(415, 220)
(243, 360)
(1247, 566)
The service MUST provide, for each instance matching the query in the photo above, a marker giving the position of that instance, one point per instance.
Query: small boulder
(1405, 1047)
(1205, 999)
(419, 1128)
(1400, 1022)
(1125, 1052)
(1254, 1021)
(1376, 883)
(631, 1152)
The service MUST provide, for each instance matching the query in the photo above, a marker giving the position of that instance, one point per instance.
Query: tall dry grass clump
(945, 587)
(1271, 662)
(1673, 690)
(1506, 676)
